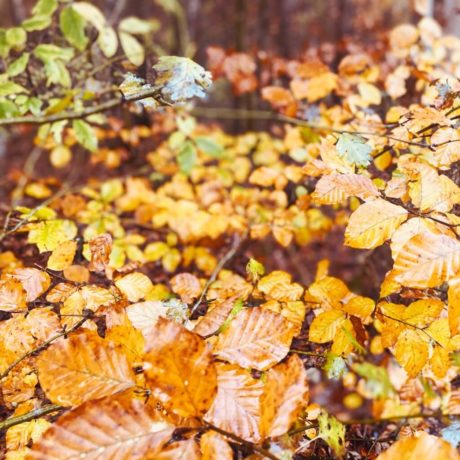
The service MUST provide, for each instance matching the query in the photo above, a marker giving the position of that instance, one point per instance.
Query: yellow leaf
(134, 286)
(324, 327)
(362, 307)
(328, 292)
(278, 286)
(62, 256)
(83, 367)
(12, 295)
(369, 93)
(256, 338)
(453, 295)
(373, 223)
(336, 188)
(411, 351)
(440, 361)
(49, 234)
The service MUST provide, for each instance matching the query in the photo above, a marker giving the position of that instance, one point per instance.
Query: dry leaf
(100, 248)
(256, 338)
(83, 367)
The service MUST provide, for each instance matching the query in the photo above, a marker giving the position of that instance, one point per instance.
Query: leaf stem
(27, 417)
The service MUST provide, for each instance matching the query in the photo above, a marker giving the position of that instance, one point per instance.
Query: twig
(234, 437)
(41, 347)
(227, 256)
(32, 415)
(103, 107)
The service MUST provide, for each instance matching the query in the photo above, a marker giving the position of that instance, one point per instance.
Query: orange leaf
(215, 447)
(12, 295)
(418, 447)
(256, 338)
(83, 367)
(34, 281)
(187, 286)
(114, 427)
(285, 395)
(179, 369)
(236, 407)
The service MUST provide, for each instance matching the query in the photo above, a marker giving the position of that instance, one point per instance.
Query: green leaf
(255, 269)
(133, 25)
(209, 146)
(8, 109)
(378, 382)
(4, 47)
(39, 22)
(237, 307)
(16, 37)
(48, 235)
(333, 432)
(180, 78)
(18, 66)
(45, 7)
(335, 366)
(187, 157)
(57, 73)
(354, 149)
(85, 134)
(132, 48)
(72, 26)
(49, 52)
(8, 88)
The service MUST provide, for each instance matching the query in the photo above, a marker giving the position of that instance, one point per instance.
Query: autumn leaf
(121, 427)
(214, 446)
(34, 281)
(237, 405)
(285, 395)
(324, 327)
(336, 188)
(134, 286)
(427, 260)
(278, 285)
(62, 257)
(373, 223)
(12, 295)
(256, 338)
(354, 149)
(422, 445)
(187, 286)
(100, 248)
(83, 367)
(180, 369)
(49, 234)
(411, 351)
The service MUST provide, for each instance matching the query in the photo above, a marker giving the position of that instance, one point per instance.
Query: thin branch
(227, 256)
(103, 107)
(41, 347)
(228, 113)
(27, 417)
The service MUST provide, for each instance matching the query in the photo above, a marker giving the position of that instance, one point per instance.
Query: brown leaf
(179, 369)
(118, 428)
(214, 318)
(256, 338)
(285, 395)
(100, 248)
(236, 407)
(83, 367)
